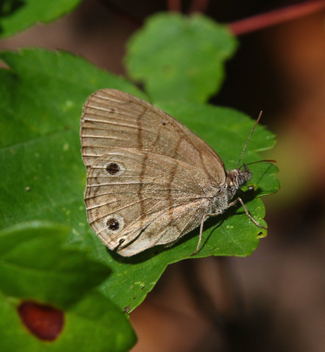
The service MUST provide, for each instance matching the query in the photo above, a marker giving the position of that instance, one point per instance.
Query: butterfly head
(237, 178)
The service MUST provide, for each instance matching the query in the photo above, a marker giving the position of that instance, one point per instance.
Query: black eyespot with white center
(113, 224)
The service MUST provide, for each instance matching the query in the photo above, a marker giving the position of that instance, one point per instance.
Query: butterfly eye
(114, 169)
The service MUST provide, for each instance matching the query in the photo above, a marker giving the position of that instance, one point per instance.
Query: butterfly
(150, 180)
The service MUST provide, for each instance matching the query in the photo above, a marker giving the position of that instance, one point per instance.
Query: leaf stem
(274, 17)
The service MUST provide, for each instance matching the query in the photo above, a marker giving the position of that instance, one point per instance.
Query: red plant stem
(271, 18)
(174, 5)
(198, 6)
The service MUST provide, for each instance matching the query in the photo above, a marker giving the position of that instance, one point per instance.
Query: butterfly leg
(204, 217)
(246, 211)
(200, 237)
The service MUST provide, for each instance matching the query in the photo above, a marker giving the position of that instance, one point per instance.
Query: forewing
(136, 199)
(114, 119)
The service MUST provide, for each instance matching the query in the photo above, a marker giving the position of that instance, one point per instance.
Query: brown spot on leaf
(43, 321)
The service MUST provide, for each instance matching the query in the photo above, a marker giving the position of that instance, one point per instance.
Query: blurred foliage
(17, 15)
(42, 94)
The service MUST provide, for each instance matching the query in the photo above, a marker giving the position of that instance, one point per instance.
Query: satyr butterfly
(150, 180)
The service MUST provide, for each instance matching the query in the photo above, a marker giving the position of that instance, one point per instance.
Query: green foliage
(43, 177)
(180, 57)
(27, 270)
(36, 265)
(17, 15)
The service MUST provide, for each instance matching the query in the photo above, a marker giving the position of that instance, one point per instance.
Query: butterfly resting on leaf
(150, 180)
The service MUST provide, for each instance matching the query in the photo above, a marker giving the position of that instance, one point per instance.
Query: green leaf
(92, 324)
(16, 15)
(179, 57)
(34, 264)
(40, 112)
(231, 233)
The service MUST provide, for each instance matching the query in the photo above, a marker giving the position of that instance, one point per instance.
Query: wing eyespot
(114, 223)
(114, 168)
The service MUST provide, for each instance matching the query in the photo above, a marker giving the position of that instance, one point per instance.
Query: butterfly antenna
(253, 129)
(260, 161)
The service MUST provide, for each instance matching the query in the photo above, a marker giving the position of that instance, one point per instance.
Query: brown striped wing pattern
(149, 178)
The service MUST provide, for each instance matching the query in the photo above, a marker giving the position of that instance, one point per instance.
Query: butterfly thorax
(235, 179)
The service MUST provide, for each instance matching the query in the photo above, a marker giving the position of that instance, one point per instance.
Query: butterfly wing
(136, 199)
(112, 118)
(148, 176)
